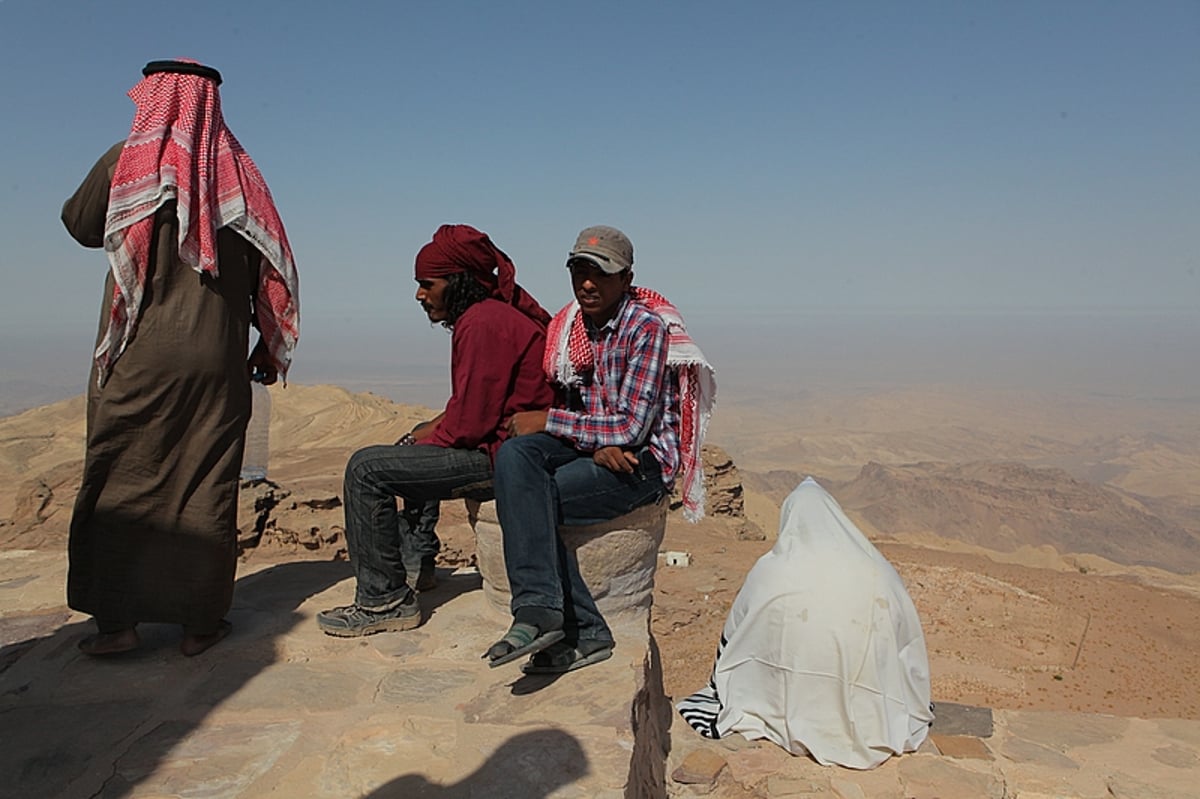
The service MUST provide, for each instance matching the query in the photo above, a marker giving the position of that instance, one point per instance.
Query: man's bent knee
(515, 451)
(358, 461)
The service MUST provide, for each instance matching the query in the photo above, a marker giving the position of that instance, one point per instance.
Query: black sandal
(561, 658)
(520, 640)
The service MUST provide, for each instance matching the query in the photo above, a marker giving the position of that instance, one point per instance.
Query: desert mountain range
(1051, 544)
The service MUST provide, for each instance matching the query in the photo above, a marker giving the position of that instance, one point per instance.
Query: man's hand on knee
(616, 459)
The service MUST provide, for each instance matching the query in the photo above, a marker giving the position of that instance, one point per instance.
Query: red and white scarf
(179, 149)
(569, 354)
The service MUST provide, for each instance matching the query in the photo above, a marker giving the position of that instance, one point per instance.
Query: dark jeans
(542, 482)
(376, 534)
(417, 531)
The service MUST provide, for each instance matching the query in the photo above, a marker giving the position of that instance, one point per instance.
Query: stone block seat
(617, 558)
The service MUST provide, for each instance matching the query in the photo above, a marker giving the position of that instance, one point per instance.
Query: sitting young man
(497, 346)
(636, 393)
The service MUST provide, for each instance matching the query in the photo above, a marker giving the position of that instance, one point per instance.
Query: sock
(545, 619)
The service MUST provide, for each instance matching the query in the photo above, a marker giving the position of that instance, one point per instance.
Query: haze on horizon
(760, 359)
(853, 194)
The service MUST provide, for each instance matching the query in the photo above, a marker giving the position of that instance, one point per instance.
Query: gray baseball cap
(606, 247)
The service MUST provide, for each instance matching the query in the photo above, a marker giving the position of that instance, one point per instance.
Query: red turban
(462, 248)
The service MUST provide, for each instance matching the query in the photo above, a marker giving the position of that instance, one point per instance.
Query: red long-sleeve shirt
(495, 371)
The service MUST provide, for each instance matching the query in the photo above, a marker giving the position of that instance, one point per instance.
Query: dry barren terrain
(1050, 544)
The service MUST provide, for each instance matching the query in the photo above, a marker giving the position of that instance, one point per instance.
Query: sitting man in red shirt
(497, 345)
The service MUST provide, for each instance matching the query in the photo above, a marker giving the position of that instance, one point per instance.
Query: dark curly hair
(462, 291)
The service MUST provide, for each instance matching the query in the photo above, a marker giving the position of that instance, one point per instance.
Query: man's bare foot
(100, 644)
(193, 645)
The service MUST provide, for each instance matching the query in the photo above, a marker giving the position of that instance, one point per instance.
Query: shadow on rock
(449, 587)
(531, 765)
(99, 726)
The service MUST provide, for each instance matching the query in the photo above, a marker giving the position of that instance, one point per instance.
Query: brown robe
(154, 531)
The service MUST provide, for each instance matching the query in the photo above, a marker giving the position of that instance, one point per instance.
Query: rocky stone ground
(1088, 667)
(279, 709)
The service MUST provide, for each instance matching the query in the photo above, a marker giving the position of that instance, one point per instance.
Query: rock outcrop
(271, 520)
(725, 500)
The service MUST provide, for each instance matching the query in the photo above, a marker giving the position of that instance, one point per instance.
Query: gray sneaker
(351, 621)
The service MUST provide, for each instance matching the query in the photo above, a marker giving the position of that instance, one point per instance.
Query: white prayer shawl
(823, 651)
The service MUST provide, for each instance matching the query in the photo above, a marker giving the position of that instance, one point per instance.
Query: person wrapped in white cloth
(822, 652)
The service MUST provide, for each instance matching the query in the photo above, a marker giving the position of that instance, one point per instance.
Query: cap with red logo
(606, 247)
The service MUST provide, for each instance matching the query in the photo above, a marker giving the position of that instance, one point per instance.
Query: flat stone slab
(950, 718)
(961, 746)
(280, 708)
(700, 767)
(1030, 755)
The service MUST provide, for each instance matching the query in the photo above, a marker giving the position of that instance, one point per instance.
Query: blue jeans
(376, 534)
(542, 482)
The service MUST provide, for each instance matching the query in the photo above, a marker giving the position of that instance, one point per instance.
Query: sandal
(561, 658)
(193, 644)
(114, 643)
(520, 640)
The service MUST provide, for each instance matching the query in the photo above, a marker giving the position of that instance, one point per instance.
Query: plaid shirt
(632, 399)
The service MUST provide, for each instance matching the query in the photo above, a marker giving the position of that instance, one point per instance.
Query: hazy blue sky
(781, 156)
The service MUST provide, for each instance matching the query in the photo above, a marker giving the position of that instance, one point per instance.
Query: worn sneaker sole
(386, 626)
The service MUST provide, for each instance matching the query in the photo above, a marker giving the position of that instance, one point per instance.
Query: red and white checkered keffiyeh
(179, 149)
(569, 354)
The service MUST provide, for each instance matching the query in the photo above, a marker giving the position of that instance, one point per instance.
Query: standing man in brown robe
(197, 255)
